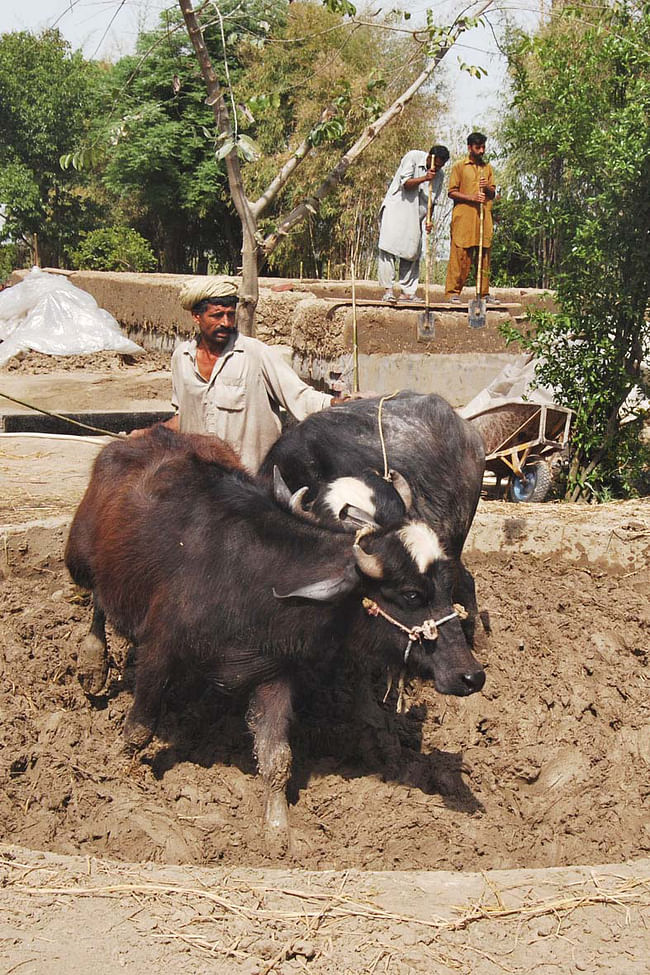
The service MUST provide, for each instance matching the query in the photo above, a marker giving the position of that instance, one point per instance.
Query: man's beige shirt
(239, 402)
(465, 177)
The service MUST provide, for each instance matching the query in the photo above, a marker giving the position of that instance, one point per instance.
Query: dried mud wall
(315, 322)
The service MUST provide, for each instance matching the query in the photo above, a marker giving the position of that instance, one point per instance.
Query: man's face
(217, 324)
(438, 163)
(477, 152)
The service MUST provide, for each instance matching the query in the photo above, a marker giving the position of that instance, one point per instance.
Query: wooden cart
(522, 440)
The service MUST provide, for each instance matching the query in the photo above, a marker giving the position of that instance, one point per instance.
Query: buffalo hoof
(136, 735)
(92, 665)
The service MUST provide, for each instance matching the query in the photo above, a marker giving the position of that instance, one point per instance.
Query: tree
(114, 249)
(283, 89)
(434, 45)
(47, 94)
(156, 154)
(578, 134)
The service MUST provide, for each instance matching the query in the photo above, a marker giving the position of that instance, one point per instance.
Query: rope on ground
(59, 416)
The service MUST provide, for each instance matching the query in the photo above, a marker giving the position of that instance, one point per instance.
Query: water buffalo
(197, 564)
(340, 456)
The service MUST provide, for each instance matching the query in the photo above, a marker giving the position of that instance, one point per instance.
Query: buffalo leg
(269, 717)
(92, 655)
(151, 673)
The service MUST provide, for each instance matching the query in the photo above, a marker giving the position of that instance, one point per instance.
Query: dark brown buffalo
(193, 561)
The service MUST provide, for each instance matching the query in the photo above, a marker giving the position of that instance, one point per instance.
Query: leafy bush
(114, 249)
(577, 132)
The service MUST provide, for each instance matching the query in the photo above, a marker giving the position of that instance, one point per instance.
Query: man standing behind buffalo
(402, 214)
(231, 385)
(471, 184)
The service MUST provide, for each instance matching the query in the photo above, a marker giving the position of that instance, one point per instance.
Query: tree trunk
(249, 291)
(254, 255)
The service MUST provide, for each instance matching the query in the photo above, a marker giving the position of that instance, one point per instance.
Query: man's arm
(486, 190)
(287, 388)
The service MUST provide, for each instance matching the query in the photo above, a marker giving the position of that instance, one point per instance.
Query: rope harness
(428, 630)
(380, 408)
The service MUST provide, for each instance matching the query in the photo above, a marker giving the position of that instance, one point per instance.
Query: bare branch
(279, 181)
(370, 133)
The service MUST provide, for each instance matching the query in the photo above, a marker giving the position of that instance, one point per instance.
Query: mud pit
(547, 768)
(544, 768)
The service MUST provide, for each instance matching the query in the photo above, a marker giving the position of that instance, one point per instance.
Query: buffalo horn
(369, 564)
(401, 485)
(297, 506)
(281, 492)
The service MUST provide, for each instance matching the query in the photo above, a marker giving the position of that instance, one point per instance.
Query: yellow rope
(381, 431)
(59, 416)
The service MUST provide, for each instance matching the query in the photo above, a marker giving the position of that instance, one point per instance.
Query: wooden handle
(480, 251)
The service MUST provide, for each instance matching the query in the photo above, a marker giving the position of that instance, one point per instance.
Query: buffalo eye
(412, 597)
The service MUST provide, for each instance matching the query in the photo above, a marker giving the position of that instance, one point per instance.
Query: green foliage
(580, 144)
(47, 94)
(10, 259)
(325, 82)
(114, 249)
(163, 161)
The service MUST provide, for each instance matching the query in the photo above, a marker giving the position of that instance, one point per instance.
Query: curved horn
(297, 507)
(281, 492)
(401, 485)
(369, 564)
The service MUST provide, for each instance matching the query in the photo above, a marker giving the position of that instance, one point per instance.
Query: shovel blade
(477, 313)
(426, 327)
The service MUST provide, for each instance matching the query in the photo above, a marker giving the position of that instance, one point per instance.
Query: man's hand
(347, 397)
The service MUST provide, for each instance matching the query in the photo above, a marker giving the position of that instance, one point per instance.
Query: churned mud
(548, 766)
(110, 861)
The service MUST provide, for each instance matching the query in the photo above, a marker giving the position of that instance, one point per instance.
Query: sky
(108, 28)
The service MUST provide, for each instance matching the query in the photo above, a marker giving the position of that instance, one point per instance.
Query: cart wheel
(535, 483)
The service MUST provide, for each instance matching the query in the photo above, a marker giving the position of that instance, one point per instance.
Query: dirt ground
(422, 842)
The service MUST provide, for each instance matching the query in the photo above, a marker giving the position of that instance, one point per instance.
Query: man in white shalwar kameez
(402, 215)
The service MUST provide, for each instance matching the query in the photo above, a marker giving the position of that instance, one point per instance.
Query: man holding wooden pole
(471, 187)
(402, 215)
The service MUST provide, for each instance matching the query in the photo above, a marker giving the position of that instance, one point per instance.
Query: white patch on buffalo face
(349, 490)
(422, 544)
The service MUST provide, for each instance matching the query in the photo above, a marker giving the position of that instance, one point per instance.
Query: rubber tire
(535, 484)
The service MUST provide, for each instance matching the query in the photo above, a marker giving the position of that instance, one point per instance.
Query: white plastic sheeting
(514, 384)
(46, 313)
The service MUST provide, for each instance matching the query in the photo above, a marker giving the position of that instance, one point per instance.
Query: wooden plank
(418, 305)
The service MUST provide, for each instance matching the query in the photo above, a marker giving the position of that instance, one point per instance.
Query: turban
(205, 286)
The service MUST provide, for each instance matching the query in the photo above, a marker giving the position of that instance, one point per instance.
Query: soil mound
(544, 768)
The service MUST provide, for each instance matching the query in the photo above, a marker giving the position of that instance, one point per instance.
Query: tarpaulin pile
(46, 313)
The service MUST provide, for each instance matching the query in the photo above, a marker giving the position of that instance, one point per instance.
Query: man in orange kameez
(471, 183)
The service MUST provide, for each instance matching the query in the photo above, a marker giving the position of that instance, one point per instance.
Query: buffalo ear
(325, 590)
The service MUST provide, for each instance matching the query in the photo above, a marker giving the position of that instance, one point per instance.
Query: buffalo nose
(474, 681)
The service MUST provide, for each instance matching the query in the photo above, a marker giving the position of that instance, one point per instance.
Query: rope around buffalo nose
(428, 629)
